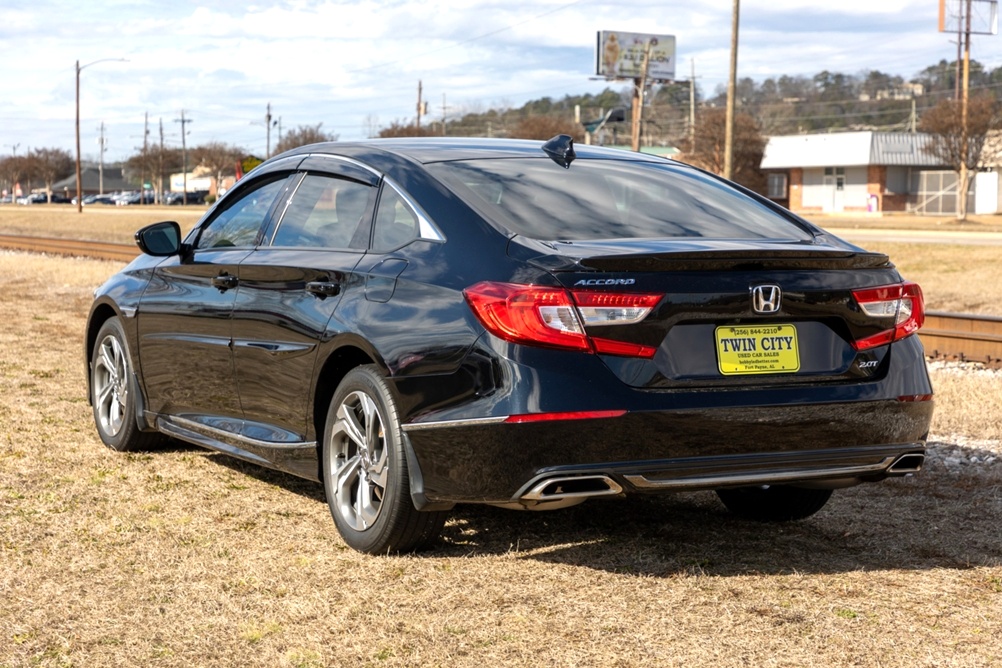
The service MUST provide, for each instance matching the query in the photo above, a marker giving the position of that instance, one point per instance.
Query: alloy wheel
(360, 462)
(111, 385)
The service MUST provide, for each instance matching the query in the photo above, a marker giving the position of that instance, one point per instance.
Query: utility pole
(965, 95)
(443, 114)
(692, 107)
(639, 85)
(103, 146)
(420, 105)
(267, 125)
(146, 158)
(160, 163)
(184, 153)
(731, 92)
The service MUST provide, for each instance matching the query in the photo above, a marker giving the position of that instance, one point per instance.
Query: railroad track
(977, 338)
(962, 336)
(96, 249)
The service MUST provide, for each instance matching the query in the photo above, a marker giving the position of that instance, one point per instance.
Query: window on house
(777, 186)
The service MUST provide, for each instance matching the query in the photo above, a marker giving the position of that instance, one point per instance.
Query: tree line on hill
(674, 115)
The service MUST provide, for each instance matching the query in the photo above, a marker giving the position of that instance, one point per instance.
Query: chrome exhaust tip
(572, 487)
(907, 463)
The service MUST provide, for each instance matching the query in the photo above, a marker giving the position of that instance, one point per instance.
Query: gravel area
(955, 453)
(961, 455)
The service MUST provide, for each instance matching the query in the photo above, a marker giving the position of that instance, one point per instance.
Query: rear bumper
(701, 438)
(669, 450)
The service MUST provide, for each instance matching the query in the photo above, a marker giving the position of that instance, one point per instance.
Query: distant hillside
(828, 101)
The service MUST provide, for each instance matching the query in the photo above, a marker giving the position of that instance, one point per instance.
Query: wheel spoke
(107, 362)
(349, 424)
(367, 509)
(379, 470)
(104, 397)
(346, 476)
(371, 417)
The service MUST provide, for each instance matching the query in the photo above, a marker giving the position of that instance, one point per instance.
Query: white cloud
(342, 62)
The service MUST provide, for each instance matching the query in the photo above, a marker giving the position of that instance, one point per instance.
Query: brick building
(860, 172)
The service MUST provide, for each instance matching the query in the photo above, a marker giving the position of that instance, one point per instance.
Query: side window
(239, 224)
(396, 223)
(325, 212)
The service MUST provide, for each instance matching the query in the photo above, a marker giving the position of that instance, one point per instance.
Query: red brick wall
(796, 189)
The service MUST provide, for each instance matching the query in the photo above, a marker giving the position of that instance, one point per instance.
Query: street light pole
(78, 68)
(79, 189)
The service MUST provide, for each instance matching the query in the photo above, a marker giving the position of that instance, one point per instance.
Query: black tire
(113, 392)
(365, 470)
(774, 503)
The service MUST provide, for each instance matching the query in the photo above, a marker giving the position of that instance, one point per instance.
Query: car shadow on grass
(938, 519)
(912, 524)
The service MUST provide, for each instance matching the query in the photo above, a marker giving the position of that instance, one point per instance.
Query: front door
(185, 317)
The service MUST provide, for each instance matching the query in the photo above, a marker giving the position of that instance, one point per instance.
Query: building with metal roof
(862, 172)
(94, 180)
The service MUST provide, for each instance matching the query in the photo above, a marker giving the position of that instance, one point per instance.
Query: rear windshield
(610, 199)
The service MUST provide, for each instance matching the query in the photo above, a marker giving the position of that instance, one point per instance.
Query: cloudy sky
(355, 66)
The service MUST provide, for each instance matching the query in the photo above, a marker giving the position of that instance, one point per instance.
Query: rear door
(290, 286)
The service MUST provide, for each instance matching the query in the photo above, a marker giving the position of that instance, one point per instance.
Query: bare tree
(546, 127)
(157, 163)
(219, 158)
(949, 143)
(303, 135)
(398, 129)
(708, 149)
(20, 169)
(51, 165)
(12, 170)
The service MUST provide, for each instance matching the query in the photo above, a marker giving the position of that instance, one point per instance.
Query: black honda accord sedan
(417, 323)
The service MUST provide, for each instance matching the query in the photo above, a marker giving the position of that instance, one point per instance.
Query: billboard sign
(620, 55)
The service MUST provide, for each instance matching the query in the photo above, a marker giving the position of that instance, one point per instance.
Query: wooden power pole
(731, 93)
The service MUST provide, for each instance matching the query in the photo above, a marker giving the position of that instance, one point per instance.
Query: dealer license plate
(757, 349)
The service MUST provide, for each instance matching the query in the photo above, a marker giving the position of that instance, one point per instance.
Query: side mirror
(160, 239)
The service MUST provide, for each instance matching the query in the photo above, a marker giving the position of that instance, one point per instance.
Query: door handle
(323, 288)
(225, 282)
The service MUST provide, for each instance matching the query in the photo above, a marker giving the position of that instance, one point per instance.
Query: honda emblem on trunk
(766, 298)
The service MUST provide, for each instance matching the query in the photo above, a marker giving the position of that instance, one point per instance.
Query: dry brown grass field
(183, 557)
(96, 223)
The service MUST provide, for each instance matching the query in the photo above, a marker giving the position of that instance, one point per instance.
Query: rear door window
(326, 212)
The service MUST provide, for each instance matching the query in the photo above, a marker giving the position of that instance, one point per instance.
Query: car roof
(441, 149)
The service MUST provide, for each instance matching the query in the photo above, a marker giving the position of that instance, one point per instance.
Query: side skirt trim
(297, 458)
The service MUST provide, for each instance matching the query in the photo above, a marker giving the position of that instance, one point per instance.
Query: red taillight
(551, 417)
(555, 317)
(901, 304)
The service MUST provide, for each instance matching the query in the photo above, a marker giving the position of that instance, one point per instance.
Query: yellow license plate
(757, 349)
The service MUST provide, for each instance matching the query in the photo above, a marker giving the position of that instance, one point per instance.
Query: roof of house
(90, 179)
(850, 149)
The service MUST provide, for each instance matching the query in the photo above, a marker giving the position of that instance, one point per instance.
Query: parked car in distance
(132, 198)
(418, 323)
(177, 198)
(42, 198)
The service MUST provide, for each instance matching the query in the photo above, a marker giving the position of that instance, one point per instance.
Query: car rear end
(666, 332)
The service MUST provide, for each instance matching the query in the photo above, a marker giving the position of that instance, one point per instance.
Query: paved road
(953, 237)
